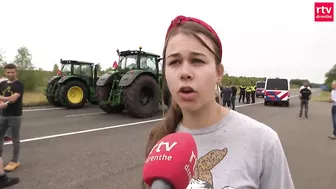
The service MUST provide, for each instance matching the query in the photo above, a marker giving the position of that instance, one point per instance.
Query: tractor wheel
(142, 97)
(73, 94)
(112, 109)
(102, 94)
(167, 97)
(52, 99)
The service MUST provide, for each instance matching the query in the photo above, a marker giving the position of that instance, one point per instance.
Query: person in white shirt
(333, 109)
(304, 87)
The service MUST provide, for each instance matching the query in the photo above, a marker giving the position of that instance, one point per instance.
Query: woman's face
(191, 71)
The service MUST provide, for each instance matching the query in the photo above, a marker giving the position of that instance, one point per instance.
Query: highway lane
(57, 121)
(113, 158)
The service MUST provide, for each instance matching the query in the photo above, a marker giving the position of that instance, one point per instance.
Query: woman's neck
(210, 114)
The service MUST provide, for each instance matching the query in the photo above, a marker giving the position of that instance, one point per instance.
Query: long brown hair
(174, 114)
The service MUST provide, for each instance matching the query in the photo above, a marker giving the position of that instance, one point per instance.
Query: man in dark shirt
(304, 95)
(242, 89)
(226, 93)
(11, 105)
(233, 97)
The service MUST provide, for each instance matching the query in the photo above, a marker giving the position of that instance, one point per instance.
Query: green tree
(3, 61)
(23, 59)
(55, 69)
(330, 76)
(100, 70)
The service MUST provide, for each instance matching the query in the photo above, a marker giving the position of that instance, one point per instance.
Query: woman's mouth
(187, 93)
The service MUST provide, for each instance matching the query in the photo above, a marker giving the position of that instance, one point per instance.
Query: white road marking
(41, 109)
(87, 131)
(109, 127)
(86, 114)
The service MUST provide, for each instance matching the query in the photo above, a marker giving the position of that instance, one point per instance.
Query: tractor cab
(138, 60)
(86, 70)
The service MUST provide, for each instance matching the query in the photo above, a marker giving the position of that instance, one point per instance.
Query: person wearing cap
(234, 150)
(304, 95)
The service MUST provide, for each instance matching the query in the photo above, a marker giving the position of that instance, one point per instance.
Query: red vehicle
(260, 87)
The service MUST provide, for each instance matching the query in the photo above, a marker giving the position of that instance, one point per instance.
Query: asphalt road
(85, 149)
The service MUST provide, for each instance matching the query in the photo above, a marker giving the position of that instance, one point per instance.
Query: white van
(277, 91)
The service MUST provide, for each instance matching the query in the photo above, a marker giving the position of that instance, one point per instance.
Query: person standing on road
(12, 92)
(248, 94)
(227, 94)
(6, 181)
(304, 95)
(333, 109)
(253, 91)
(233, 97)
(242, 89)
(234, 150)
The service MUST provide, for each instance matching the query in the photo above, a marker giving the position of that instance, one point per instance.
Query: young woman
(235, 151)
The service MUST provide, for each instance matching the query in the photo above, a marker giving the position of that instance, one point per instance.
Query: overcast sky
(265, 38)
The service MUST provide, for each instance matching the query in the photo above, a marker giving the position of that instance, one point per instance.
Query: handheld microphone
(171, 162)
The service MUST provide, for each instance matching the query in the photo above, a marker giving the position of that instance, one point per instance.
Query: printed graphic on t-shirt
(203, 177)
(7, 92)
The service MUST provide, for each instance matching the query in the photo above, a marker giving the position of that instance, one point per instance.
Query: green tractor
(73, 85)
(135, 85)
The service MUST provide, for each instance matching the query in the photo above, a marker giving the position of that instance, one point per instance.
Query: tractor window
(160, 66)
(148, 63)
(66, 68)
(131, 62)
(77, 69)
(86, 70)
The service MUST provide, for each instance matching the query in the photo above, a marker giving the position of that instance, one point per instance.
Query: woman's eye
(197, 61)
(172, 62)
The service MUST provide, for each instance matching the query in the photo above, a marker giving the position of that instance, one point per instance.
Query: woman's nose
(185, 73)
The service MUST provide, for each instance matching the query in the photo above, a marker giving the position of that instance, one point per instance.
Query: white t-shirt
(239, 153)
(304, 87)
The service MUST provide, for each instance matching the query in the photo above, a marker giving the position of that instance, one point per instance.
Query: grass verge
(324, 96)
(34, 99)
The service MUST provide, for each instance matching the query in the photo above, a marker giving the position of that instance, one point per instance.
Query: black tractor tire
(167, 97)
(51, 99)
(143, 88)
(64, 96)
(102, 94)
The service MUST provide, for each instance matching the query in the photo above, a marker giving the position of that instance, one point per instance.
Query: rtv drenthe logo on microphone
(162, 152)
(166, 146)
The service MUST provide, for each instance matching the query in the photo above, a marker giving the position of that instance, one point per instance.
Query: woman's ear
(220, 71)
